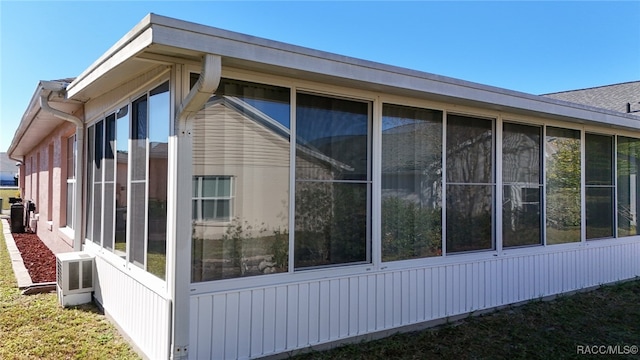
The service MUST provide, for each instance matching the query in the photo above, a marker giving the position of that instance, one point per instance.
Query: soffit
(180, 41)
(37, 125)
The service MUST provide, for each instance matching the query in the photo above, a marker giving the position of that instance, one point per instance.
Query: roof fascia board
(187, 36)
(194, 37)
(131, 44)
(29, 115)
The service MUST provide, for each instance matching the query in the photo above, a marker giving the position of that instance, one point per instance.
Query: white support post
(180, 260)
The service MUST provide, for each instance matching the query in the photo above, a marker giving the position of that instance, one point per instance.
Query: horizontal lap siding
(141, 313)
(261, 321)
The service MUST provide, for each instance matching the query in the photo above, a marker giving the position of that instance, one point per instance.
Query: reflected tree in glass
(628, 155)
(563, 210)
(470, 187)
(521, 176)
(411, 182)
(599, 186)
(240, 197)
(332, 181)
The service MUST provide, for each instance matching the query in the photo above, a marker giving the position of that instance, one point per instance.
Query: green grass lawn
(36, 327)
(5, 194)
(554, 329)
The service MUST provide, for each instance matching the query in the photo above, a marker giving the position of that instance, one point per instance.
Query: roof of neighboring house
(612, 97)
(8, 170)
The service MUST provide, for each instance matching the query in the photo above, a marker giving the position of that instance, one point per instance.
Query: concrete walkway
(20, 271)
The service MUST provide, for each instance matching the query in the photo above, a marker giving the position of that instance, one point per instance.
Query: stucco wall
(45, 173)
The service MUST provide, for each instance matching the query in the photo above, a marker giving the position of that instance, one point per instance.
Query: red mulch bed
(38, 259)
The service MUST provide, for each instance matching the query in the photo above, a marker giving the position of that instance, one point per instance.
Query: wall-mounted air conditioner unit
(75, 278)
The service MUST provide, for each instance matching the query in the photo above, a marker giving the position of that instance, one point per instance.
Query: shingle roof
(612, 97)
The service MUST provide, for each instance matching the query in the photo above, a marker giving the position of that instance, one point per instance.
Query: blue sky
(535, 47)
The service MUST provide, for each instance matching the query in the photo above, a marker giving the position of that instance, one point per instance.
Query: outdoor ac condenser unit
(75, 278)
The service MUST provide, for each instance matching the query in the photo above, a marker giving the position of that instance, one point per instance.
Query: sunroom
(246, 198)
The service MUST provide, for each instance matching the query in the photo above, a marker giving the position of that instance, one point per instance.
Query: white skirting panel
(262, 321)
(140, 312)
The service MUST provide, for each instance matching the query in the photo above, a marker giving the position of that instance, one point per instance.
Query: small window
(212, 198)
(71, 180)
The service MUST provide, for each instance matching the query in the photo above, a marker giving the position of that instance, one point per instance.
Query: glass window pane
(108, 215)
(194, 185)
(138, 211)
(469, 150)
(599, 212)
(222, 210)
(521, 172)
(70, 197)
(209, 185)
(109, 149)
(598, 159)
(98, 152)
(332, 137)
(209, 209)
(71, 155)
(469, 218)
(521, 220)
(97, 213)
(628, 154)
(122, 169)
(224, 187)
(89, 169)
(241, 142)
(139, 139)
(521, 154)
(158, 174)
(563, 210)
(331, 223)
(411, 183)
(109, 187)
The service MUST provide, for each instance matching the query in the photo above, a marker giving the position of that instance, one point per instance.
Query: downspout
(77, 231)
(203, 89)
(179, 262)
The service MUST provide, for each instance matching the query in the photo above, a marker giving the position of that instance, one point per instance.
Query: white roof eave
(35, 124)
(133, 43)
(162, 35)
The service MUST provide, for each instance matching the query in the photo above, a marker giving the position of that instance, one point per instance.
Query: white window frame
(199, 198)
(71, 180)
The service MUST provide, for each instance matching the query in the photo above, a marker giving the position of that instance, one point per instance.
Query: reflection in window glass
(159, 124)
(122, 169)
(563, 216)
(212, 198)
(71, 180)
(332, 181)
(241, 182)
(628, 184)
(97, 182)
(138, 207)
(89, 170)
(411, 182)
(522, 184)
(109, 172)
(127, 204)
(599, 185)
(470, 187)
